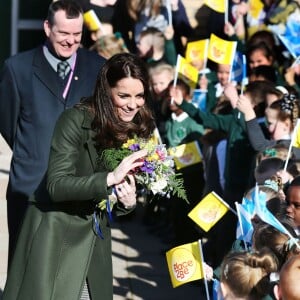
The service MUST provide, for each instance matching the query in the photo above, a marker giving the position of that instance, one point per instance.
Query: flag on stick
(244, 229)
(265, 215)
(221, 51)
(196, 50)
(216, 5)
(209, 211)
(92, 22)
(186, 155)
(293, 142)
(186, 72)
(185, 264)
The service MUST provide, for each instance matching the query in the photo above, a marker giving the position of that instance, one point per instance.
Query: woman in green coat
(64, 246)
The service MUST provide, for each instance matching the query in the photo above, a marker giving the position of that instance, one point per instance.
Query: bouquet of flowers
(157, 174)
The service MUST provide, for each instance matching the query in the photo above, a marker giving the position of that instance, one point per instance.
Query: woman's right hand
(128, 164)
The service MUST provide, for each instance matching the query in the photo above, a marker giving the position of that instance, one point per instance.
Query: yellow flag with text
(196, 50)
(185, 263)
(217, 5)
(186, 71)
(186, 154)
(221, 51)
(209, 211)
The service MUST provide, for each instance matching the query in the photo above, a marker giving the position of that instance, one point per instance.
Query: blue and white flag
(244, 229)
(291, 37)
(264, 214)
(217, 295)
(237, 73)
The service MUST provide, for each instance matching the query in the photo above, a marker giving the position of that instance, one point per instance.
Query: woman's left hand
(126, 192)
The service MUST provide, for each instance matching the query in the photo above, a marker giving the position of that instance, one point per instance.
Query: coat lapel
(43, 70)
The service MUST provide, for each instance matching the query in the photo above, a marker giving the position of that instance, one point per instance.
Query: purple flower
(134, 147)
(147, 167)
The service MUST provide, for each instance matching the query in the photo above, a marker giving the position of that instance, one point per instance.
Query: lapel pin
(75, 78)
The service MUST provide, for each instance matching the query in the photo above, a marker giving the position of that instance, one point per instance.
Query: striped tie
(62, 68)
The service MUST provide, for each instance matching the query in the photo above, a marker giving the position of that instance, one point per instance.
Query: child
(161, 75)
(281, 118)
(239, 162)
(180, 128)
(288, 287)
(245, 275)
(155, 46)
(293, 201)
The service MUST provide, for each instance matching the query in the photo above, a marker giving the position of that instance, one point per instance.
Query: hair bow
(287, 103)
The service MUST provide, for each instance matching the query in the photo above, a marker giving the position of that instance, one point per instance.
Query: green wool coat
(57, 248)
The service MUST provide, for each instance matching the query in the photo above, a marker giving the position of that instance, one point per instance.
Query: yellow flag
(91, 20)
(217, 5)
(185, 263)
(255, 8)
(196, 50)
(186, 71)
(209, 211)
(296, 136)
(221, 51)
(186, 155)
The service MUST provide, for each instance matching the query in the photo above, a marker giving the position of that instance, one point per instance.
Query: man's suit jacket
(30, 104)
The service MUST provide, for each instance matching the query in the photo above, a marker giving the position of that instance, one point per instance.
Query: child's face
(258, 58)
(144, 46)
(223, 74)
(160, 81)
(270, 98)
(277, 128)
(293, 201)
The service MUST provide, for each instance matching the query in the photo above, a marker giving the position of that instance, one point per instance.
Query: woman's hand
(126, 192)
(128, 164)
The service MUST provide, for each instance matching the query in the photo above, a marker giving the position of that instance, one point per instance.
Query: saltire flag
(291, 37)
(185, 263)
(186, 154)
(217, 295)
(245, 212)
(209, 211)
(221, 51)
(265, 215)
(237, 72)
(196, 50)
(216, 5)
(290, 45)
(186, 72)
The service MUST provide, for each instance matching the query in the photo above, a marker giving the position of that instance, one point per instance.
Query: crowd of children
(244, 132)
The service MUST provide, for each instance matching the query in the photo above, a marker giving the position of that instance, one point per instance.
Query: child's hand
(169, 32)
(208, 271)
(176, 95)
(244, 105)
(231, 93)
(229, 29)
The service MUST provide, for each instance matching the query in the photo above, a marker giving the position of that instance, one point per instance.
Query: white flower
(158, 186)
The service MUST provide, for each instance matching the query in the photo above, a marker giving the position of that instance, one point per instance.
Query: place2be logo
(183, 264)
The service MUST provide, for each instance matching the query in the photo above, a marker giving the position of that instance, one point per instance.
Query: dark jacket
(57, 247)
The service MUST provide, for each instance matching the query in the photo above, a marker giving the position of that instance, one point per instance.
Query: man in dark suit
(34, 91)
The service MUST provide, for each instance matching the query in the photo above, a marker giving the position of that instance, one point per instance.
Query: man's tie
(62, 69)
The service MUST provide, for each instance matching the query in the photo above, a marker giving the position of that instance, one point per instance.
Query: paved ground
(140, 269)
